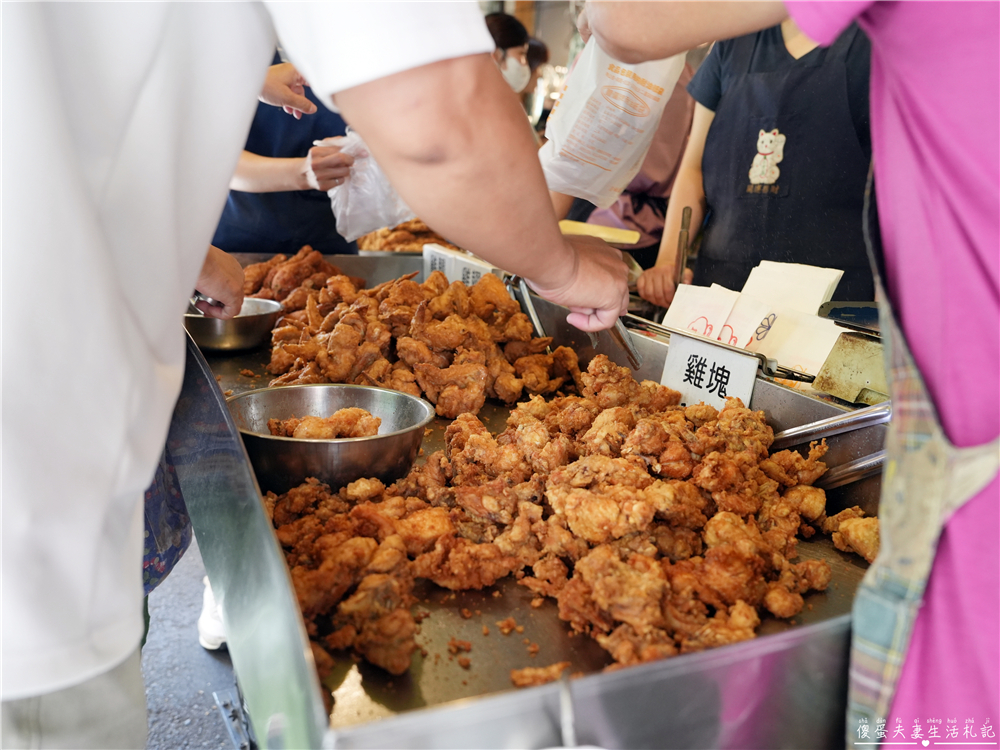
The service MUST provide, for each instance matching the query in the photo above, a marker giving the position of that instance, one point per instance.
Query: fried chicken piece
(489, 295)
(832, 524)
(607, 384)
(454, 300)
(401, 378)
(790, 468)
(458, 564)
(600, 498)
(738, 623)
(285, 277)
(503, 383)
(439, 335)
(577, 607)
(414, 352)
(701, 414)
(551, 574)
(320, 589)
(779, 520)
(859, 535)
(556, 539)
(741, 429)
(435, 285)
(255, 273)
(531, 676)
(454, 390)
(784, 596)
(571, 415)
(608, 432)
(654, 397)
(535, 371)
(676, 543)
(629, 592)
(810, 502)
(664, 453)
(566, 367)
(627, 646)
(351, 422)
(678, 503)
(514, 350)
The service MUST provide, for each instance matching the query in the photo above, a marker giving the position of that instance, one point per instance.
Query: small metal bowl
(251, 328)
(281, 463)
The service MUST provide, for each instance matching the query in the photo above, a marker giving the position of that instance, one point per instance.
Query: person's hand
(326, 166)
(221, 279)
(656, 284)
(596, 291)
(285, 87)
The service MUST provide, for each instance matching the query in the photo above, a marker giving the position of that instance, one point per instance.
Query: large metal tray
(787, 688)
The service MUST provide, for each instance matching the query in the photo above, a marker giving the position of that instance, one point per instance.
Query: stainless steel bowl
(251, 328)
(281, 463)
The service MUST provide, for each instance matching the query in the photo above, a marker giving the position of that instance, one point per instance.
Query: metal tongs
(619, 333)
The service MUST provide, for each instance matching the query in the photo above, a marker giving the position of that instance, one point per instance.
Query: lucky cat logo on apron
(764, 169)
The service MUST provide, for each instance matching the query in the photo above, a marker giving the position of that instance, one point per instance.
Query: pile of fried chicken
(408, 237)
(452, 344)
(351, 422)
(658, 529)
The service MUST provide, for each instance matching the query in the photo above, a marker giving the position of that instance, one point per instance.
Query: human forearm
(264, 174)
(561, 204)
(687, 191)
(638, 31)
(466, 162)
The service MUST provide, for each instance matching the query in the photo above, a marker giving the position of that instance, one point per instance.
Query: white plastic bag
(365, 201)
(603, 123)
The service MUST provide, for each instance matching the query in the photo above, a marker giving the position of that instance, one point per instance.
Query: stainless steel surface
(251, 328)
(838, 425)
(281, 463)
(855, 370)
(786, 688)
(264, 630)
(853, 471)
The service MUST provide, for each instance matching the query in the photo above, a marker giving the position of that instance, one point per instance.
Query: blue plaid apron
(925, 480)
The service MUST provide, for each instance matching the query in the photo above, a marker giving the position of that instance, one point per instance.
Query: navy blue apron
(785, 173)
(285, 221)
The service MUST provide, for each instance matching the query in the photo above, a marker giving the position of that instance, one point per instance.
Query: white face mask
(515, 72)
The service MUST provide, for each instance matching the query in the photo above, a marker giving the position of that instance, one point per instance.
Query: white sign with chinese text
(455, 265)
(703, 371)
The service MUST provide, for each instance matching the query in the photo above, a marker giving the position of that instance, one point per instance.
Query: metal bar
(853, 471)
(824, 428)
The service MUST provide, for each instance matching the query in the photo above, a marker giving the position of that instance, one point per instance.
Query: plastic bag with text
(603, 123)
(366, 201)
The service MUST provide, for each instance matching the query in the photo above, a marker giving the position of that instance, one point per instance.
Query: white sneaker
(211, 631)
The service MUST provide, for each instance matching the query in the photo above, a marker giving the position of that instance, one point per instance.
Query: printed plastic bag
(603, 123)
(365, 201)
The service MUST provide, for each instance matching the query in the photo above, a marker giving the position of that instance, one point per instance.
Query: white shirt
(122, 125)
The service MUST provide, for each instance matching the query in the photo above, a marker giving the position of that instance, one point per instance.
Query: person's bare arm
(638, 31)
(561, 204)
(455, 146)
(321, 169)
(657, 284)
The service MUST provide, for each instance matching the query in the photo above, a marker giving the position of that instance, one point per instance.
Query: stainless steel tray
(787, 688)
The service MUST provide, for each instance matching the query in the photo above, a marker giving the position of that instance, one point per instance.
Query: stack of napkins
(792, 286)
(774, 315)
